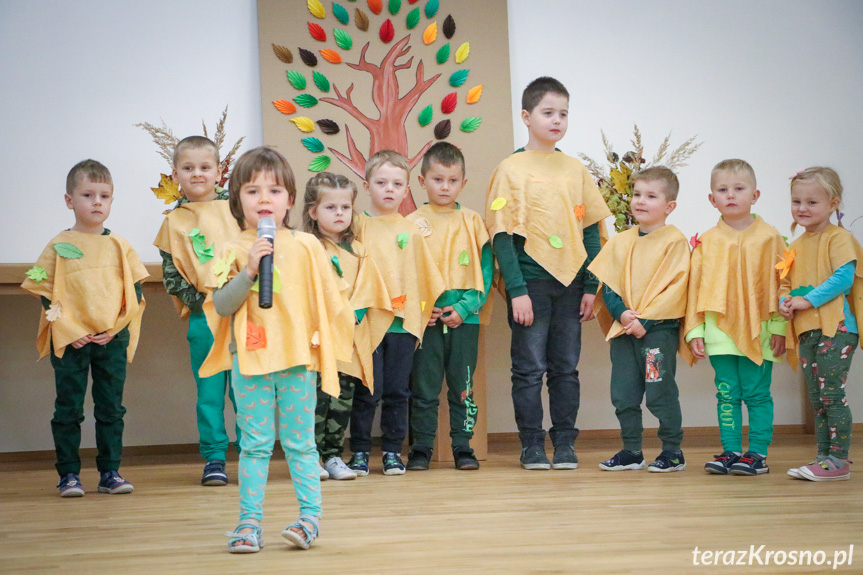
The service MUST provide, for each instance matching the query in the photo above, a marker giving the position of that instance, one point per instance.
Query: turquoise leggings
(293, 391)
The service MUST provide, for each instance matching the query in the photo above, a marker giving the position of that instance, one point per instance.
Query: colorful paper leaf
(424, 227)
(313, 144)
(462, 53)
(399, 302)
(449, 102)
(361, 19)
(317, 32)
(331, 56)
(413, 19)
(785, 262)
(458, 78)
(694, 241)
(317, 9)
(297, 80)
(306, 100)
(430, 34)
(422, 305)
(321, 81)
(168, 189)
(338, 265)
(68, 251)
(443, 54)
(425, 116)
(376, 6)
(463, 258)
(54, 312)
(387, 32)
(442, 129)
(555, 242)
(277, 281)
(579, 211)
(498, 203)
(37, 274)
(432, 7)
(203, 252)
(395, 6)
(343, 39)
(474, 94)
(285, 106)
(328, 127)
(283, 54)
(341, 14)
(470, 124)
(222, 267)
(256, 336)
(801, 291)
(308, 58)
(320, 164)
(402, 239)
(304, 124)
(449, 27)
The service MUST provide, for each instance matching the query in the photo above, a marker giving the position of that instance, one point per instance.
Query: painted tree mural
(387, 128)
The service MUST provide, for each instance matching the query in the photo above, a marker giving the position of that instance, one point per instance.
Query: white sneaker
(323, 472)
(337, 469)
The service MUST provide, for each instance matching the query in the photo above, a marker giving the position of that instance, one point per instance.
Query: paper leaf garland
(463, 258)
(395, 6)
(256, 336)
(54, 312)
(221, 268)
(413, 19)
(317, 32)
(68, 251)
(283, 54)
(331, 56)
(320, 164)
(308, 58)
(321, 81)
(37, 274)
(442, 129)
(328, 127)
(296, 79)
(443, 54)
(168, 189)
(462, 53)
(361, 20)
(425, 116)
(338, 265)
(458, 78)
(284, 106)
(304, 124)
(343, 39)
(555, 242)
(313, 145)
(430, 34)
(470, 124)
(579, 211)
(449, 27)
(376, 6)
(694, 241)
(474, 94)
(306, 100)
(317, 9)
(801, 291)
(402, 240)
(399, 302)
(341, 14)
(387, 31)
(432, 8)
(498, 203)
(203, 252)
(785, 263)
(424, 227)
(449, 102)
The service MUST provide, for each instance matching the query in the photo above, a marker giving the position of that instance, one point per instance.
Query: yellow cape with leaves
(816, 257)
(412, 278)
(456, 238)
(310, 323)
(362, 285)
(94, 293)
(214, 220)
(733, 273)
(548, 198)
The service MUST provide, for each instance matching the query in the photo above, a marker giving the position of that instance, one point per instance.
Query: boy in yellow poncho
(89, 280)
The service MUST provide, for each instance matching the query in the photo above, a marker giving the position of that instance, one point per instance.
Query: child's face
(649, 204)
(443, 183)
(197, 172)
(264, 197)
(548, 121)
(333, 212)
(811, 206)
(387, 187)
(91, 202)
(733, 194)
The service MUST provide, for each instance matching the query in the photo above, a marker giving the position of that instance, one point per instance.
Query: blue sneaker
(111, 482)
(359, 462)
(668, 461)
(623, 460)
(214, 473)
(750, 463)
(393, 464)
(70, 486)
(722, 463)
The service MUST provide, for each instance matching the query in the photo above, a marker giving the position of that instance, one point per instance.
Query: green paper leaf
(785, 239)
(413, 18)
(306, 100)
(341, 14)
(425, 116)
(194, 232)
(199, 244)
(470, 124)
(343, 40)
(802, 290)
(338, 265)
(321, 81)
(68, 251)
(313, 145)
(463, 258)
(432, 8)
(402, 239)
(443, 54)
(320, 164)
(37, 274)
(555, 242)
(297, 80)
(458, 78)
(395, 6)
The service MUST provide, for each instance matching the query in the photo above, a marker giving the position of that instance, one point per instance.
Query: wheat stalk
(164, 139)
(683, 152)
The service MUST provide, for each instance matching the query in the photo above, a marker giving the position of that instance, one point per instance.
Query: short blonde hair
(253, 162)
(94, 171)
(196, 143)
(661, 174)
(391, 157)
(313, 197)
(826, 178)
(734, 166)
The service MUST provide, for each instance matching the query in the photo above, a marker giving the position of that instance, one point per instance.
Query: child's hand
(784, 309)
(434, 316)
(627, 318)
(777, 345)
(522, 310)
(450, 317)
(696, 346)
(259, 249)
(102, 338)
(79, 343)
(797, 302)
(586, 310)
(635, 328)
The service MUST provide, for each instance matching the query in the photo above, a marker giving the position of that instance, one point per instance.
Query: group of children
(381, 308)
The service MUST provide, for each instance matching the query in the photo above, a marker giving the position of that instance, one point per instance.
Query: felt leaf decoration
(555, 242)
(343, 39)
(221, 268)
(316, 340)
(474, 94)
(442, 129)
(458, 78)
(328, 127)
(304, 124)
(580, 210)
(283, 54)
(321, 81)
(463, 258)
(399, 302)
(402, 239)
(68, 251)
(308, 58)
(395, 6)
(331, 56)
(376, 6)
(498, 203)
(443, 54)
(306, 100)
(785, 263)
(462, 53)
(317, 32)
(341, 14)
(694, 241)
(296, 79)
(361, 20)
(424, 227)
(413, 19)
(285, 106)
(432, 8)
(313, 145)
(277, 281)
(801, 291)
(785, 239)
(317, 9)
(430, 34)
(37, 274)
(168, 189)
(449, 27)
(425, 116)
(470, 124)
(320, 164)
(387, 31)
(199, 245)
(447, 105)
(256, 336)
(54, 312)
(338, 265)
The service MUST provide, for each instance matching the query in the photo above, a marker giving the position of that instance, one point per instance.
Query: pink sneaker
(826, 470)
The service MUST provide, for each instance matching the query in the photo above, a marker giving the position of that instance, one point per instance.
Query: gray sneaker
(533, 457)
(564, 458)
(338, 470)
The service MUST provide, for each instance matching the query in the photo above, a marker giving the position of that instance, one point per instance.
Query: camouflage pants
(332, 417)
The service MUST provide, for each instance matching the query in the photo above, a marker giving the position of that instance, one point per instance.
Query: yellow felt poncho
(816, 257)
(412, 278)
(309, 324)
(733, 273)
(548, 198)
(214, 220)
(362, 285)
(95, 293)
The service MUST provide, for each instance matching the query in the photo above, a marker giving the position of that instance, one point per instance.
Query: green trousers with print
(740, 380)
(333, 416)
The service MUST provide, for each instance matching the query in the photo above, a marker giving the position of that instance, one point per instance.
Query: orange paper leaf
(285, 106)
(580, 210)
(376, 6)
(474, 94)
(331, 56)
(430, 34)
(786, 262)
(256, 336)
(399, 302)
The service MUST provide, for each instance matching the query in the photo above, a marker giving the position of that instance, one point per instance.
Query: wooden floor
(500, 519)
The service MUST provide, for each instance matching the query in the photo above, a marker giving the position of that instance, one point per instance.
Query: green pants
(210, 406)
(825, 362)
(451, 355)
(739, 379)
(71, 372)
(332, 417)
(646, 367)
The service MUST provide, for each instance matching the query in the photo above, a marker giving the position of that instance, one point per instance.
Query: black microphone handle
(265, 282)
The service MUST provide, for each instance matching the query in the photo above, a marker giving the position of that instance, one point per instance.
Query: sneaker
(826, 470)
(533, 457)
(322, 473)
(668, 461)
(359, 463)
(338, 470)
(214, 473)
(795, 471)
(624, 460)
(564, 458)
(465, 460)
(750, 463)
(393, 464)
(70, 486)
(418, 460)
(722, 463)
(111, 482)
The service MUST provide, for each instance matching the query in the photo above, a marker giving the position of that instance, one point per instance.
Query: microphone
(266, 229)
